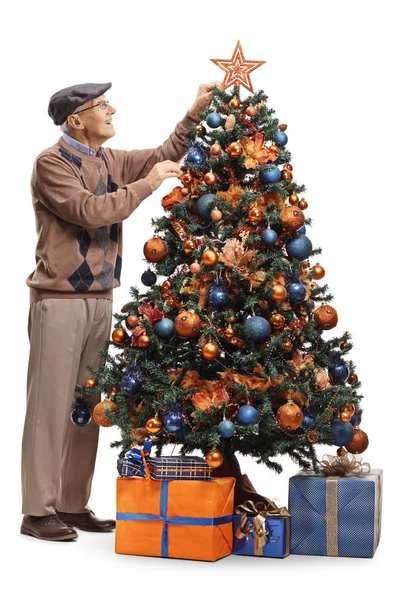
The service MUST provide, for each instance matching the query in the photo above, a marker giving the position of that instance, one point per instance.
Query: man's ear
(75, 122)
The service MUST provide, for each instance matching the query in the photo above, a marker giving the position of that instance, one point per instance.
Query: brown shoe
(49, 528)
(87, 521)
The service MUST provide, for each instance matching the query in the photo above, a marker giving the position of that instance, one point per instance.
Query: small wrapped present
(337, 512)
(176, 519)
(161, 468)
(261, 530)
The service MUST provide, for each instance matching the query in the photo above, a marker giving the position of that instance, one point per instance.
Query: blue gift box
(335, 516)
(277, 537)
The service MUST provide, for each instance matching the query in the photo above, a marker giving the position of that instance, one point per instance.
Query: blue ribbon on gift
(202, 521)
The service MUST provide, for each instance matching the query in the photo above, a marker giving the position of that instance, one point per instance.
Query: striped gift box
(164, 468)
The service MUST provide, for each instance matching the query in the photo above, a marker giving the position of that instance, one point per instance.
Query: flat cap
(64, 102)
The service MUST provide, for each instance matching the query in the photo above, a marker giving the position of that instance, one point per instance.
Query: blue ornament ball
(355, 419)
(218, 296)
(300, 247)
(81, 413)
(301, 231)
(270, 175)
(173, 420)
(195, 156)
(308, 419)
(214, 120)
(269, 237)
(258, 328)
(226, 429)
(130, 382)
(339, 373)
(342, 432)
(164, 329)
(280, 139)
(297, 291)
(204, 206)
(148, 278)
(247, 415)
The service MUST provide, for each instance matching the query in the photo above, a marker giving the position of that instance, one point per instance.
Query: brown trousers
(58, 458)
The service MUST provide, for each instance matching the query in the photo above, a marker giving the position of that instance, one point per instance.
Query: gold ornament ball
(303, 204)
(292, 218)
(216, 214)
(344, 416)
(234, 149)
(214, 459)
(216, 149)
(293, 199)
(352, 379)
(186, 178)
(279, 292)
(119, 335)
(255, 214)
(132, 321)
(99, 416)
(287, 346)
(187, 324)
(359, 443)
(229, 332)
(326, 317)
(155, 249)
(286, 175)
(290, 416)
(319, 272)
(277, 321)
(235, 102)
(210, 351)
(210, 178)
(209, 258)
(90, 383)
(251, 111)
(154, 425)
(143, 341)
(195, 268)
(188, 246)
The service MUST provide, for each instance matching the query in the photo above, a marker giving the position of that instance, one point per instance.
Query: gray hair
(65, 127)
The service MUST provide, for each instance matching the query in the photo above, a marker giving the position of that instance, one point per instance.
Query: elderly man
(81, 194)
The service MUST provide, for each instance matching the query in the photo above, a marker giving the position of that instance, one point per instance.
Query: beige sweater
(80, 202)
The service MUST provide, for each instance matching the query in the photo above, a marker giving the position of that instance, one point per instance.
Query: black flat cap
(64, 102)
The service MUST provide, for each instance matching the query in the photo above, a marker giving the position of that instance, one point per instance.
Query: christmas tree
(225, 352)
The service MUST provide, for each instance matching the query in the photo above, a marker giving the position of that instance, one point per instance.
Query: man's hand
(161, 171)
(203, 98)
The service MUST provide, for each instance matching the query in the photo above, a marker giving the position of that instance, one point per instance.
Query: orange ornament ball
(214, 459)
(351, 409)
(234, 102)
(293, 199)
(90, 383)
(195, 268)
(186, 178)
(326, 317)
(201, 130)
(287, 346)
(187, 324)
(154, 425)
(155, 249)
(303, 204)
(210, 178)
(216, 214)
(143, 341)
(319, 272)
(292, 218)
(99, 415)
(290, 416)
(279, 292)
(229, 332)
(341, 451)
(251, 111)
(352, 379)
(286, 175)
(209, 258)
(216, 149)
(210, 351)
(132, 321)
(188, 246)
(255, 214)
(119, 335)
(359, 443)
(344, 416)
(277, 320)
(234, 149)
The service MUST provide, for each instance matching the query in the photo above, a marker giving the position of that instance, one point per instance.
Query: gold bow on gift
(340, 466)
(257, 527)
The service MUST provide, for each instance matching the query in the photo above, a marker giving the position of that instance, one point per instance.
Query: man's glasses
(102, 105)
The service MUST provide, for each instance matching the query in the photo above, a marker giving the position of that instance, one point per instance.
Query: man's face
(95, 117)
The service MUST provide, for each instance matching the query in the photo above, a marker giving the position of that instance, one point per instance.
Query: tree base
(244, 489)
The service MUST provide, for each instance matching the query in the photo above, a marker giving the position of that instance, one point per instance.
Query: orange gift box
(176, 519)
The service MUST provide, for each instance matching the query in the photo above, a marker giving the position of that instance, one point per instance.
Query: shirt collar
(79, 146)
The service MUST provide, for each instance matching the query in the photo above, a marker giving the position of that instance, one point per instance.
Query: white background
(331, 75)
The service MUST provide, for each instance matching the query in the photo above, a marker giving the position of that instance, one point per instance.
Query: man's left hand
(203, 98)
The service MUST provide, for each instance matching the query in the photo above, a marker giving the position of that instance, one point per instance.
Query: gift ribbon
(202, 521)
(259, 513)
